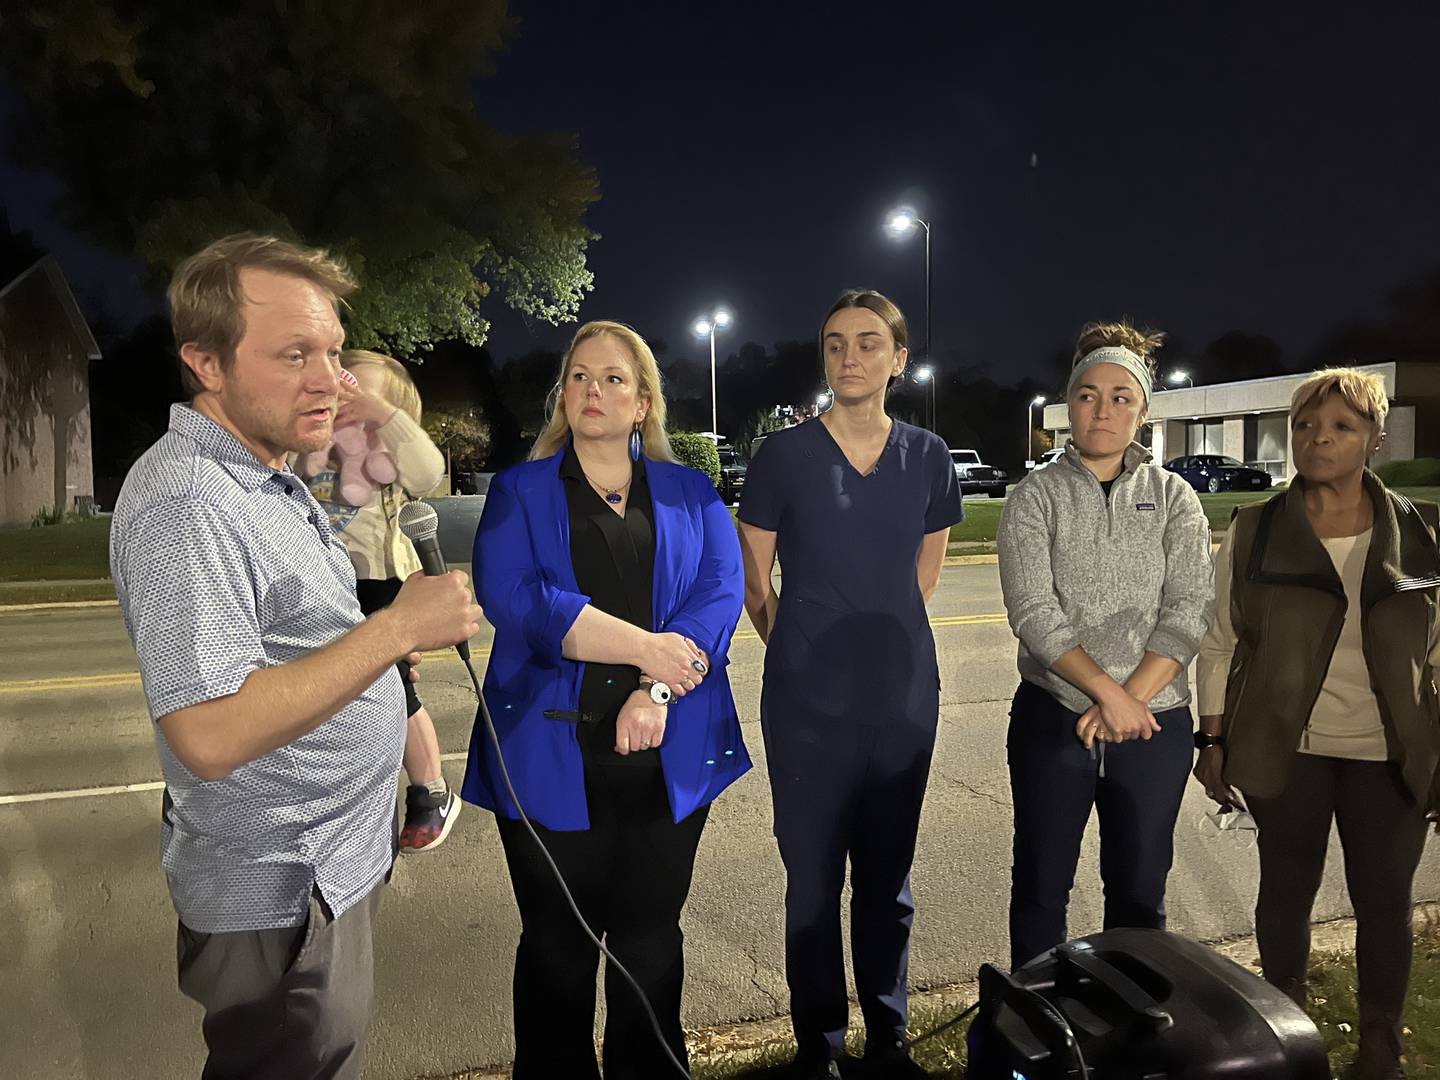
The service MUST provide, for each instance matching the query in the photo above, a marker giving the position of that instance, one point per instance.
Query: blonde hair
(1362, 391)
(399, 389)
(206, 301)
(647, 378)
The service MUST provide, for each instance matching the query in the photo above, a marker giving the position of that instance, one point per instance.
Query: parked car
(732, 475)
(1048, 457)
(1213, 472)
(975, 476)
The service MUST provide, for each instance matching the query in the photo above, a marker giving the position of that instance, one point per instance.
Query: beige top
(1346, 720)
(371, 533)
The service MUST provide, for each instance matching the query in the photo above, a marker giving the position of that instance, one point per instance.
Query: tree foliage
(462, 436)
(347, 125)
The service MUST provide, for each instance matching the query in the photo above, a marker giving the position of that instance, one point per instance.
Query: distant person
(1318, 700)
(380, 459)
(1105, 569)
(859, 508)
(612, 577)
(279, 716)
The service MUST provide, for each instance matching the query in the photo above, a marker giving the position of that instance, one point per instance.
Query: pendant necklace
(612, 495)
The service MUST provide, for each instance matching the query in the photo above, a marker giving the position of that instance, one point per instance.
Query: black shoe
(428, 819)
(889, 1057)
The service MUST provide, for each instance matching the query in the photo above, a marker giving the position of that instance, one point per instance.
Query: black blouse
(614, 562)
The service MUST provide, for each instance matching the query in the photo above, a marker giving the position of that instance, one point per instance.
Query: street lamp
(1175, 377)
(822, 400)
(1030, 428)
(706, 327)
(926, 374)
(901, 224)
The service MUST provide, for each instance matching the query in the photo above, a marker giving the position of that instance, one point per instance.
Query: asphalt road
(87, 976)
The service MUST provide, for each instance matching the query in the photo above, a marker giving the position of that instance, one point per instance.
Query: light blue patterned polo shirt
(223, 565)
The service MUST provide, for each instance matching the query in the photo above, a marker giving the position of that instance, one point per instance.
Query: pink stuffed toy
(365, 466)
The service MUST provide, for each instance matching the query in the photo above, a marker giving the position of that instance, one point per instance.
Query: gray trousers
(285, 1004)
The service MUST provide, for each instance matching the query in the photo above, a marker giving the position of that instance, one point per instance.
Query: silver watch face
(660, 693)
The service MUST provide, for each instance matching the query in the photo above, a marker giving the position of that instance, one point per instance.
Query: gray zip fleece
(1117, 577)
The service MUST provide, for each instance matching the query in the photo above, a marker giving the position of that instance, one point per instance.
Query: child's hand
(358, 406)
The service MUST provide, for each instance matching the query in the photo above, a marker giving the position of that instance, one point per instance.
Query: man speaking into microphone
(279, 715)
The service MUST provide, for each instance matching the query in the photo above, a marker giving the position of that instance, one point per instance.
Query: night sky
(1199, 170)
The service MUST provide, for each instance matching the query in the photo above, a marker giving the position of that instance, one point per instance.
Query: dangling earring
(636, 443)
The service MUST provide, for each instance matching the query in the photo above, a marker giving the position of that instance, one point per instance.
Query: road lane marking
(80, 793)
(115, 679)
(132, 678)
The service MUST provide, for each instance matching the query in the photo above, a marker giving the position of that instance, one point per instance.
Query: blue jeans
(1054, 783)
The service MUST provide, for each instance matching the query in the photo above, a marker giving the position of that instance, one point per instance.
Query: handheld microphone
(420, 523)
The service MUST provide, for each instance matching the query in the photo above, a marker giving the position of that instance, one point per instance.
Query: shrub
(698, 452)
(1417, 472)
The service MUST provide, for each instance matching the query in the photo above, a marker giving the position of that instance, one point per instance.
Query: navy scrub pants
(1054, 783)
(847, 791)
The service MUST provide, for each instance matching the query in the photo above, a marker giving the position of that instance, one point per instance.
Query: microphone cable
(420, 524)
(560, 878)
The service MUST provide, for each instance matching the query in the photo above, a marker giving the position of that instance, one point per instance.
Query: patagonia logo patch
(1144, 506)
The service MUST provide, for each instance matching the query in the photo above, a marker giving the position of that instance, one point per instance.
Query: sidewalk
(732, 1043)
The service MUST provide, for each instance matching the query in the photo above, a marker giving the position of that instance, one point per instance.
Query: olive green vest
(1288, 606)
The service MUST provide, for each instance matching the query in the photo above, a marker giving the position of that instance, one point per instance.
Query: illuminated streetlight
(706, 327)
(1176, 377)
(1030, 428)
(901, 224)
(926, 374)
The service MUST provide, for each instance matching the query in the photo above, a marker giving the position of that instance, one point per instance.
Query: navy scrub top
(851, 642)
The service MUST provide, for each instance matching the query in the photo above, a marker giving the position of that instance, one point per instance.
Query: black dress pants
(630, 875)
(1135, 787)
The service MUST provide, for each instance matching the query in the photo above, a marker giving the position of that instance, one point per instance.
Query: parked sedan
(1212, 472)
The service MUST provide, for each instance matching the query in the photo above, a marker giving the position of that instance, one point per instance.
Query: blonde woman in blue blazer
(612, 576)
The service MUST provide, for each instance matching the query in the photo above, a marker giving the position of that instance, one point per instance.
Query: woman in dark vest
(1317, 696)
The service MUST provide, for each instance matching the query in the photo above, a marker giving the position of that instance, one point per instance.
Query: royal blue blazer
(526, 583)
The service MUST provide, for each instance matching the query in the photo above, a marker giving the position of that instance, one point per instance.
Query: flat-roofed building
(1250, 420)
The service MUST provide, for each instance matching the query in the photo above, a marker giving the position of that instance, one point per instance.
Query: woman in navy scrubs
(859, 508)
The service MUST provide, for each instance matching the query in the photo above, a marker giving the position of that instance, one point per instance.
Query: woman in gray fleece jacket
(1108, 583)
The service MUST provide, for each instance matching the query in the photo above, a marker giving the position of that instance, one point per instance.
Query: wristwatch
(1203, 740)
(658, 691)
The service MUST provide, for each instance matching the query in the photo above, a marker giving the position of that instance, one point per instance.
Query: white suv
(975, 476)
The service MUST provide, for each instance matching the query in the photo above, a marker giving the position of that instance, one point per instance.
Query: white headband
(1112, 354)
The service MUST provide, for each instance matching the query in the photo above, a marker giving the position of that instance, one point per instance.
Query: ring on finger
(645, 745)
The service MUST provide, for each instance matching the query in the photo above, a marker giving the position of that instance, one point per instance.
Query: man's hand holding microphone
(435, 607)
(434, 612)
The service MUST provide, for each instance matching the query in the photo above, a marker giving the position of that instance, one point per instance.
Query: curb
(971, 560)
(53, 605)
(1336, 935)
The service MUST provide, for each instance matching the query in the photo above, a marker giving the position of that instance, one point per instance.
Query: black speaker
(1138, 1005)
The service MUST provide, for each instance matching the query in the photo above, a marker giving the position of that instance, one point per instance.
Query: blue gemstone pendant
(613, 497)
